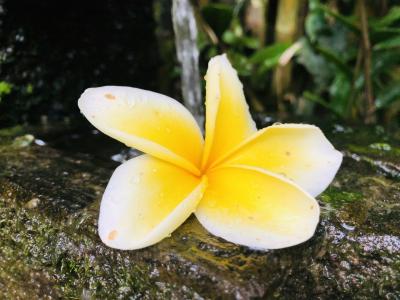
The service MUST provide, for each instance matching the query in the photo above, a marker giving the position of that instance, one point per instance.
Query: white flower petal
(148, 121)
(145, 201)
(228, 120)
(299, 152)
(256, 208)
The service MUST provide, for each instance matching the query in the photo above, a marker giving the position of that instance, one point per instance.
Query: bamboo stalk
(256, 19)
(286, 29)
(370, 104)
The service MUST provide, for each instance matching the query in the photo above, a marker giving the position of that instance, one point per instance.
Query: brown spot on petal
(287, 153)
(109, 96)
(112, 235)
(312, 207)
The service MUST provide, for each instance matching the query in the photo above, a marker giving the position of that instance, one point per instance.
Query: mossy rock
(49, 247)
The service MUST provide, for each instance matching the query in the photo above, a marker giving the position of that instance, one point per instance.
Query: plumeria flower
(254, 188)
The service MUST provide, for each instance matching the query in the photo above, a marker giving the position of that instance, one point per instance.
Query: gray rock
(49, 247)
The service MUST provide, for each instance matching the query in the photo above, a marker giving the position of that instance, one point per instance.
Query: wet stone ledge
(49, 248)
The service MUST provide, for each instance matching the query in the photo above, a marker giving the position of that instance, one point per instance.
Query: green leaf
(317, 99)
(331, 57)
(240, 63)
(388, 44)
(250, 42)
(347, 21)
(321, 71)
(388, 95)
(315, 24)
(339, 91)
(267, 65)
(392, 16)
(383, 61)
(385, 30)
(267, 58)
(232, 39)
(270, 52)
(229, 37)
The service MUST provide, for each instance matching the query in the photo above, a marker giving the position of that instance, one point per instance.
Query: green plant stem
(349, 110)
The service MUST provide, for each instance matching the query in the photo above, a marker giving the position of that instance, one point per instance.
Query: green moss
(376, 149)
(11, 131)
(29, 240)
(49, 203)
(337, 197)
(23, 141)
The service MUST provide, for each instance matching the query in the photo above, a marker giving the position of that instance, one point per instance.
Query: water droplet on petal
(131, 103)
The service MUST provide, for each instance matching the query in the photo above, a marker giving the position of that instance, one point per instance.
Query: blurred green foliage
(337, 43)
(5, 89)
(245, 51)
(46, 62)
(329, 56)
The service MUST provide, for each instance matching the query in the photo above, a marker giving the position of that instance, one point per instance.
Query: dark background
(50, 51)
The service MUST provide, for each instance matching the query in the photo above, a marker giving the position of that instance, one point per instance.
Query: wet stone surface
(49, 248)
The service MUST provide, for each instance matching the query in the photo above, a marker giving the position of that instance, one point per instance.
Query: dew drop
(131, 103)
